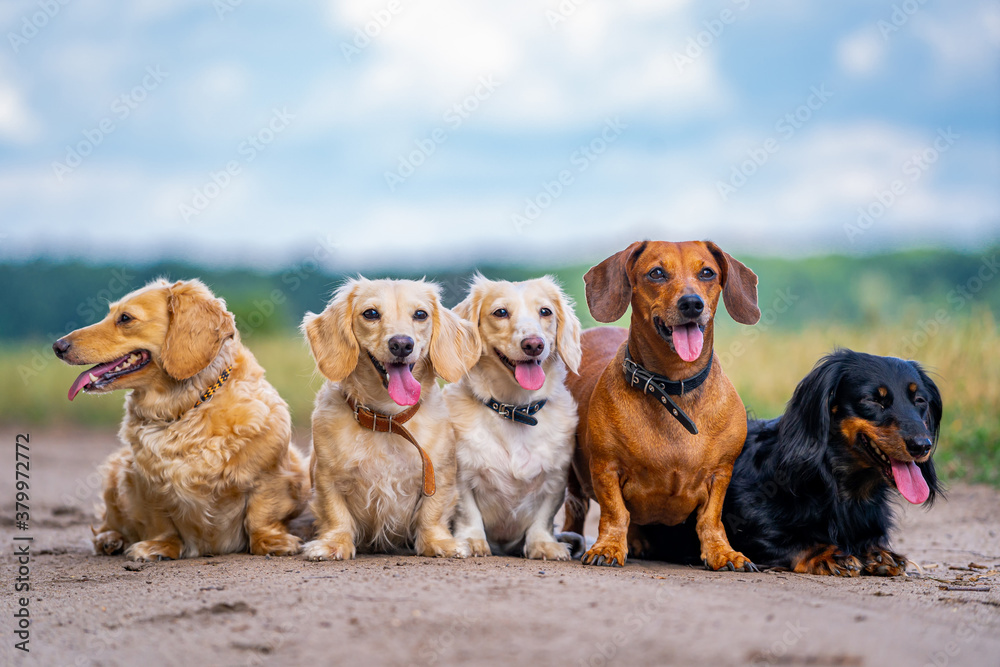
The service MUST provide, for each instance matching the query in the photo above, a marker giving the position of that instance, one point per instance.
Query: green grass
(764, 362)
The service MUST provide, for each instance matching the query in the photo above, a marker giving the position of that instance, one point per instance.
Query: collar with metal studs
(663, 388)
(522, 414)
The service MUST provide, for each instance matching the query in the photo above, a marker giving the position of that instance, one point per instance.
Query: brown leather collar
(380, 423)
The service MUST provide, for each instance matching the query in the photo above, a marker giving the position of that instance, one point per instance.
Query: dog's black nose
(60, 347)
(400, 346)
(918, 447)
(533, 346)
(690, 305)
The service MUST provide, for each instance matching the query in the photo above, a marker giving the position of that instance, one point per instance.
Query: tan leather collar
(381, 423)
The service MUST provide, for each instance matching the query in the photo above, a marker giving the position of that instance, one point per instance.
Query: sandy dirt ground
(403, 610)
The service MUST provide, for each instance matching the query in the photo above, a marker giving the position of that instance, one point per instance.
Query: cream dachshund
(381, 345)
(514, 418)
(207, 467)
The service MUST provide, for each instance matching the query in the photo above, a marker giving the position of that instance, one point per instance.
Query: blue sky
(422, 133)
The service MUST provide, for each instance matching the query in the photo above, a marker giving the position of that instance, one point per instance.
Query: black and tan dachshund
(812, 490)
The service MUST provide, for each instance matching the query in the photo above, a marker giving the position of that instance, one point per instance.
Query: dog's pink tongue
(688, 340)
(910, 481)
(529, 375)
(403, 387)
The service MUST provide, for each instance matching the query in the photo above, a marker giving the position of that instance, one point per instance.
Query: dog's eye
(919, 401)
(371, 315)
(706, 274)
(420, 315)
(501, 313)
(125, 318)
(545, 312)
(656, 274)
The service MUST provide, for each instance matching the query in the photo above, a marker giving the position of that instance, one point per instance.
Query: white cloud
(862, 52)
(18, 124)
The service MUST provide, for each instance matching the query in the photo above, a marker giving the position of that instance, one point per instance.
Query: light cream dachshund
(381, 345)
(515, 419)
(207, 467)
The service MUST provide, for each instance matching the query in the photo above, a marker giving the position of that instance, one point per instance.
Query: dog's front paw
(275, 543)
(151, 550)
(884, 563)
(545, 550)
(479, 547)
(446, 548)
(109, 543)
(605, 553)
(328, 550)
(733, 561)
(827, 560)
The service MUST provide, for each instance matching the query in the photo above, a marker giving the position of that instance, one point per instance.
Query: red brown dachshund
(660, 423)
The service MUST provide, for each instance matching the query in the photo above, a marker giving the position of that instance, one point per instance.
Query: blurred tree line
(44, 299)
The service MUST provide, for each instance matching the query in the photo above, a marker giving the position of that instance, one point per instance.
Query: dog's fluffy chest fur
(378, 474)
(510, 467)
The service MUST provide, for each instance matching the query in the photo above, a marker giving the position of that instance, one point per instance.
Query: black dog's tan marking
(812, 490)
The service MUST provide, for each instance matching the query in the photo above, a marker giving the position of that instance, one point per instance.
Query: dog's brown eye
(501, 313)
(545, 312)
(125, 318)
(420, 315)
(371, 315)
(657, 274)
(706, 274)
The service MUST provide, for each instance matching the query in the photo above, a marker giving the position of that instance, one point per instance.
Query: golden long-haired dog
(207, 467)
(514, 417)
(382, 344)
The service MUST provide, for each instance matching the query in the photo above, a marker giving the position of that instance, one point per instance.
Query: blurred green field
(765, 363)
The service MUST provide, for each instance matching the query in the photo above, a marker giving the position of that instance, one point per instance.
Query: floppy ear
(804, 430)
(455, 345)
(609, 289)
(331, 336)
(470, 306)
(739, 286)
(567, 328)
(199, 325)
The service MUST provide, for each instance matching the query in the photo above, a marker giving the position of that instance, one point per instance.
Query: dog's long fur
(217, 478)
(367, 485)
(807, 493)
(512, 476)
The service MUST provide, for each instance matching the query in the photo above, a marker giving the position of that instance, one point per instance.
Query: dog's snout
(400, 346)
(690, 305)
(919, 446)
(61, 347)
(533, 346)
